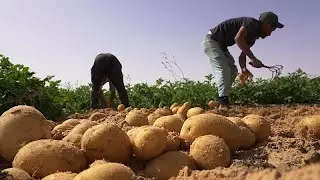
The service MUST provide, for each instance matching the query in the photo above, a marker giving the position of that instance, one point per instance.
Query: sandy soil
(280, 157)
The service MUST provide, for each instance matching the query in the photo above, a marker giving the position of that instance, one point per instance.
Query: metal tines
(276, 70)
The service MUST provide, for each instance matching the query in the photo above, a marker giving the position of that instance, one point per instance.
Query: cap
(270, 18)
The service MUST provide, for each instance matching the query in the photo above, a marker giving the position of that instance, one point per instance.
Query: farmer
(107, 68)
(243, 31)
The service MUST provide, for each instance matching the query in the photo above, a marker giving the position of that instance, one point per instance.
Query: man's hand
(256, 63)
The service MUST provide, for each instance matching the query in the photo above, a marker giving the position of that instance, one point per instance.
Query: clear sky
(61, 38)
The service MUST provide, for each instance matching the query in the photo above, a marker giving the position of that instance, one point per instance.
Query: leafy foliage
(19, 85)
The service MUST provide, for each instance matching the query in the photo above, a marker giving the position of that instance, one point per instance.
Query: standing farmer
(107, 68)
(243, 31)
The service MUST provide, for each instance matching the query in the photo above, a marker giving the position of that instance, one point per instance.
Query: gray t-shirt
(226, 31)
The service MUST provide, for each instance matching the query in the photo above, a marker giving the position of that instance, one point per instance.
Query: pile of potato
(168, 139)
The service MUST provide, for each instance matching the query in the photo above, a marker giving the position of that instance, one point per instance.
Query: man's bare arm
(242, 44)
(242, 61)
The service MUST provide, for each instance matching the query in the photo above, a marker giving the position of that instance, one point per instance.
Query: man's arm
(242, 44)
(242, 57)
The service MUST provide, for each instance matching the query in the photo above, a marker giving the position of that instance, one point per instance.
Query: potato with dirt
(194, 111)
(212, 124)
(149, 142)
(170, 122)
(15, 174)
(259, 125)
(61, 130)
(99, 162)
(137, 118)
(60, 176)
(20, 125)
(153, 117)
(309, 127)
(168, 165)
(163, 111)
(106, 141)
(75, 135)
(183, 110)
(72, 122)
(210, 151)
(107, 171)
(44, 157)
(121, 107)
(97, 116)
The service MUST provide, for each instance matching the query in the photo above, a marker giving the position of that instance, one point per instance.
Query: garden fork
(275, 70)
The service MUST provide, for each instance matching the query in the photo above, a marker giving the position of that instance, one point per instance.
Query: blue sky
(61, 38)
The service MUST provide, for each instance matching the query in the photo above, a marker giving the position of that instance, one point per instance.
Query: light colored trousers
(224, 69)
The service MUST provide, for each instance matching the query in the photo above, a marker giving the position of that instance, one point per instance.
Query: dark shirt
(226, 31)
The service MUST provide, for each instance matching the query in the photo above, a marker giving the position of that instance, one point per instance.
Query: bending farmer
(243, 31)
(107, 68)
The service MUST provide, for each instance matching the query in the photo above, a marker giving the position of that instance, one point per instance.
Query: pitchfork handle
(262, 65)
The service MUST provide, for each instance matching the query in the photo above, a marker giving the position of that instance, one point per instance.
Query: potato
(184, 109)
(72, 122)
(121, 107)
(214, 124)
(99, 162)
(136, 118)
(175, 109)
(237, 121)
(16, 174)
(248, 138)
(181, 117)
(20, 125)
(61, 131)
(213, 104)
(174, 105)
(44, 157)
(60, 176)
(173, 142)
(106, 141)
(97, 116)
(149, 142)
(108, 171)
(194, 111)
(309, 127)
(75, 135)
(134, 131)
(259, 125)
(153, 117)
(170, 123)
(210, 151)
(168, 165)
(308, 172)
(51, 124)
(163, 111)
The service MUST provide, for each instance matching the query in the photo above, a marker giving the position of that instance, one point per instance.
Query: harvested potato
(60, 176)
(163, 111)
(20, 125)
(16, 174)
(51, 124)
(194, 111)
(134, 131)
(121, 107)
(308, 172)
(168, 165)
(181, 117)
(153, 117)
(72, 122)
(175, 109)
(213, 104)
(170, 123)
(106, 141)
(108, 171)
(44, 157)
(248, 138)
(214, 124)
(75, 135)
(174, 105)
(97, 116)
(149, 142)
(237, 121)
(210, 151)
(136, 118)
(61, 131)
(259, 125)
(183, 110)
(99, 162)
(309, 127)
(173, 142)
